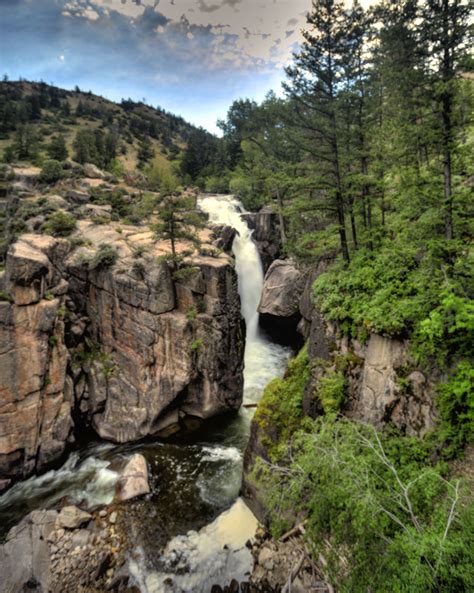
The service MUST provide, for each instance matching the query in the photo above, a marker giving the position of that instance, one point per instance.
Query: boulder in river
(133, 481)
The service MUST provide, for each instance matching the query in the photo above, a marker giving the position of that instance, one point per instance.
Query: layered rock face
(130, 349)
(36, 397)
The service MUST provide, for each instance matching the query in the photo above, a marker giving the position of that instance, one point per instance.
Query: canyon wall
(130, 348)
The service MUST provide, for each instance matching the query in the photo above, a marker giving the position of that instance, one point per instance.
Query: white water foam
(88, 482)
(196, 561)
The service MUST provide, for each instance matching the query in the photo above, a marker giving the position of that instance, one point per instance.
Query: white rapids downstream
(190, 531)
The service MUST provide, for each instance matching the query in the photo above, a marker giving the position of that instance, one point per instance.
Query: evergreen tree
(446, 26)
(25, 143)
(179, 219)
(57, 149)
(145, 151)
(313, 84)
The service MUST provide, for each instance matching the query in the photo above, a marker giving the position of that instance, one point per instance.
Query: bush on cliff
(51, 171)
(105, 257)
(60, 224)
(380, 514)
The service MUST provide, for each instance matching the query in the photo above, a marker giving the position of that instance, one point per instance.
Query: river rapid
(189, 533)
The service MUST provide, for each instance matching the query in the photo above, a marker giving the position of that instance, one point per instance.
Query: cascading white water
(228, 210)
(264, 360)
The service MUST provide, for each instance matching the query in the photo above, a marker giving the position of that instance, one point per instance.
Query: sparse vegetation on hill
(38, 120)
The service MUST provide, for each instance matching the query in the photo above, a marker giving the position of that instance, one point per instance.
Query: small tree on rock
(179, 219)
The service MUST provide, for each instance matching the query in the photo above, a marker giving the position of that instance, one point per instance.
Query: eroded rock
(133, 479)
(71, 517)
(148, 349)
(282, 289)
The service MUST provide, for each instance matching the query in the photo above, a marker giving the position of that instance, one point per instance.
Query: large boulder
(25, 562)
(93, 172)
(282, 289)
(279, 305)
(133, 479)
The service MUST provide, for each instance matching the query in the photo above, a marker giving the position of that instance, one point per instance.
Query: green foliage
(5, 296)
(51, 171)
(139, 268)
(60, 224)
(448, 329)
(389, 291)
(331, 391)
(376, 506)
(197, 345)
(280, 410)
(160, 178)
(57, 149)
(191, 314)
(179, 219)
(105, 257)
(145, 152)
(217, 184)
(455, 404)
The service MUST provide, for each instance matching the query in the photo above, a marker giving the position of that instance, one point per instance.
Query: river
(190, 531)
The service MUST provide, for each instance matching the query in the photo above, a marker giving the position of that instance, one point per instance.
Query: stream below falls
(189, 533)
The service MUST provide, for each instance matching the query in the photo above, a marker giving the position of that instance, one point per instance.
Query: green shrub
(196, 345)
(5, 296)
(60, 224)
(105, 257)
(375, 505)
(331, 391)
(51, 171)
(191, 314)
(280, 410)
(455, 403)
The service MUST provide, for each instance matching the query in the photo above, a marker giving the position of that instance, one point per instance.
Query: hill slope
(32, 114)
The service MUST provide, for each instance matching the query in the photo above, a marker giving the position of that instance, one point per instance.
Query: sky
(191, 57)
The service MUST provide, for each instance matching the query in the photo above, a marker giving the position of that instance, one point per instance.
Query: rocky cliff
(112, 338)
(380, 381)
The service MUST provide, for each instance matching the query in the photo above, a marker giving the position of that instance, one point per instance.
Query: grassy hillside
(35, 113)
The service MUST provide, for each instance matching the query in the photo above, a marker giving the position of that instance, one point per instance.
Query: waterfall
(263, 359)
(228, 210)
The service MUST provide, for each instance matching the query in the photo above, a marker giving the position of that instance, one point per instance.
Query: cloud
(191, 57)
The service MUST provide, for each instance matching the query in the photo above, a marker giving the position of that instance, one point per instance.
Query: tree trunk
(281, 219)
(353, 222)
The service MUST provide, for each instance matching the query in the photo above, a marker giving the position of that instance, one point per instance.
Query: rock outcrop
(124, 345)
(42, 555)
(36, 397)
(279, 305)
(266, 234)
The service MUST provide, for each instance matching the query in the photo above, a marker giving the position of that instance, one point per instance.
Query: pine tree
(145, 151)
(446, 26)
(179, 219)
(57, 148)
(313, 84)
